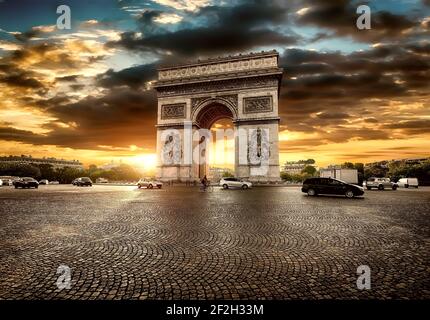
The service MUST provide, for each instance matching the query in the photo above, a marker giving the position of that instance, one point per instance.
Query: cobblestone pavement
(179, 243)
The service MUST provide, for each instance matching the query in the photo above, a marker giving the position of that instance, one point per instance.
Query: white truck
(346, 175)
(408, 182)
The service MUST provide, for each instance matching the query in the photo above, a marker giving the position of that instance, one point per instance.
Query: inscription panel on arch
(257, 104)
(173, 111)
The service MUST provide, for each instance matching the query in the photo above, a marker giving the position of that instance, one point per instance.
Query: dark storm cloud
(333, 115)
(29, 51)
(422, 48)
(53, 56)
(120, 117)
(147, 23)
(13, 134)
(371, 120)
(340, 16)
(205, 41)
(77, 87)
(72, 78)
(13, 76)
(321, 92)
(26, 36)
(229, 29)
(45, 104)
(21, 80)
(335, 95)
(411, 126)
(133, 77)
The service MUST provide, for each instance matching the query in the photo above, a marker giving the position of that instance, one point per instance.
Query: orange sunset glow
(86, 93)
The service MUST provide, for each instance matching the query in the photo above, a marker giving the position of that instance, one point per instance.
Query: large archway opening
(219, 154)
(222, 154)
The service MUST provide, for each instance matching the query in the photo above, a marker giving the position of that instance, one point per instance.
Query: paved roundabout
(178, 243)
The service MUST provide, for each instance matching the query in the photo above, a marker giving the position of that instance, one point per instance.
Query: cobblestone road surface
(179, 243)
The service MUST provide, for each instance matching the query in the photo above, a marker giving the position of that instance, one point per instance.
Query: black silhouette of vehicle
(83, 182)
(316, 186)
(26, 182)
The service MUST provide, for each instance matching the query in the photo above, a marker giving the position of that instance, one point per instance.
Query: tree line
(123, 172)
(394, 171)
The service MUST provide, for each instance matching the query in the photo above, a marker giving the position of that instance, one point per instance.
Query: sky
(346, 94)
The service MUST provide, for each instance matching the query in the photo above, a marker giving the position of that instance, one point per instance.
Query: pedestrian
(204, 182)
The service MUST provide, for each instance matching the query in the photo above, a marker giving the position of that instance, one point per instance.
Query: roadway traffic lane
(180, 243)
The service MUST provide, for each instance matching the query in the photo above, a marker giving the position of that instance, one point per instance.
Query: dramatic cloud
(121, 115)
(340, 16)
(33, 32)
(230, 29)
(133, 77)
(328, 93)
(88, 88)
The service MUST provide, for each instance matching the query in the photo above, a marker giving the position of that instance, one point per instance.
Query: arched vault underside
(211, 114)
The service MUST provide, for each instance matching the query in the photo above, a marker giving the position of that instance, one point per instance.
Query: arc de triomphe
(243, 88)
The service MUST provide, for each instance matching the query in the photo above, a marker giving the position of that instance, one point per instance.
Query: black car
(26, 183)
(315, 186)
(83, 182)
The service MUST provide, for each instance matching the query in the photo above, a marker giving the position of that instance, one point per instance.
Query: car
(316, 186)
(227, 183)
(26, 182)
(149, 183)
(408, 182)
(102, 180)
(379, 183)
(83, 182)
(54, 182)
(6, 181)
(44, 181)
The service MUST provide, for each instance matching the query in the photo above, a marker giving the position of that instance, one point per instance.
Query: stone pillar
(264, 172)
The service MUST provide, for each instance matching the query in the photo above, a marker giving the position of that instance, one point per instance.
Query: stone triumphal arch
(191, 97)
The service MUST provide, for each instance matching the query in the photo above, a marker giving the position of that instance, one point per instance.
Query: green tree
(360, 172)
(124, 172)
(348, 165)
(398, 170)
(375, 171)
(67, 174)
(286, 176)
(47, 171)
(19, 170)
(295, 177)
(359, 167)
(227, 174)
(309, 170)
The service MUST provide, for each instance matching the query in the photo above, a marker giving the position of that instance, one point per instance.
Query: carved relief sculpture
(257, 104)
(172, 151)
(259, 146)
(173, 111)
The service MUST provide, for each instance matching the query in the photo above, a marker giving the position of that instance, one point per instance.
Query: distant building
(295, 167)
(111, 165)
(56, 163)
(382, 164)
(337, 172)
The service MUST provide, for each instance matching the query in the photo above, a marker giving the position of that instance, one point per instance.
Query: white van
(408, 182)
